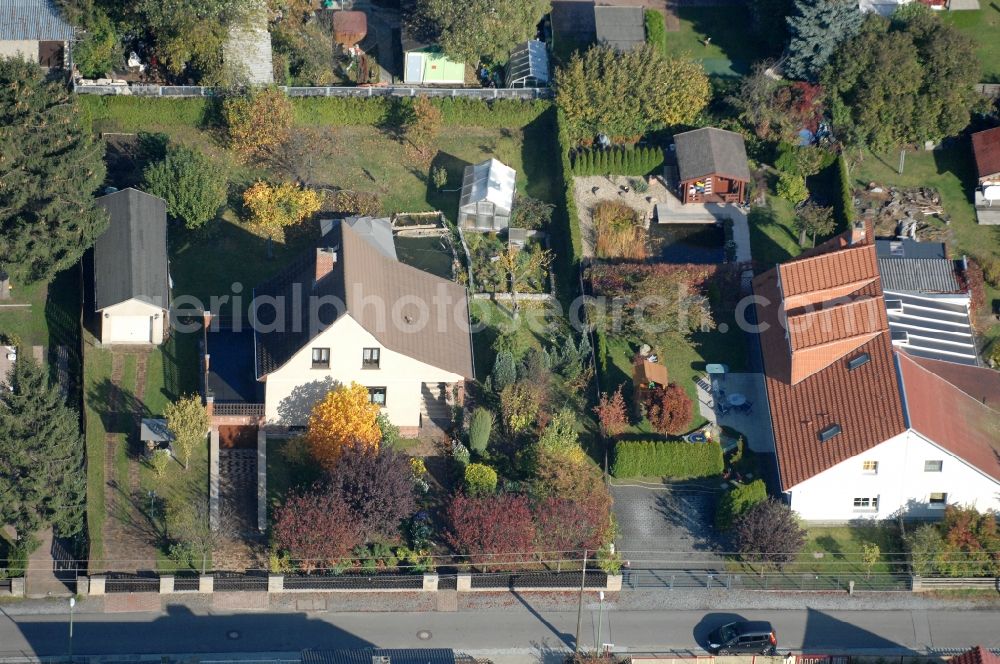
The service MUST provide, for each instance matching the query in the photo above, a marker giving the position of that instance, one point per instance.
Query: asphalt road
(513, 630)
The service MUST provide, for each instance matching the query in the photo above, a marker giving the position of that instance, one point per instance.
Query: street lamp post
(72, 603)
(600, 622)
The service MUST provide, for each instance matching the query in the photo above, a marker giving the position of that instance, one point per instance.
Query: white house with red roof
(863, 431)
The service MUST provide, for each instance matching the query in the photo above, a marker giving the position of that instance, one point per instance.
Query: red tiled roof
(978, 655)
(986, 150)
(809, 385)
(955, 406)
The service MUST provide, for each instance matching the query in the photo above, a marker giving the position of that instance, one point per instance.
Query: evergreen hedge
(656, 30)
(737, 501)
(673, 459)
(844, 209)
(128, 113)
(637, 161)
(572, 241)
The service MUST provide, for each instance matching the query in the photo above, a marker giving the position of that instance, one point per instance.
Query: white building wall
(133, 308)
(25, 48)
(900, 483)
(292, 390)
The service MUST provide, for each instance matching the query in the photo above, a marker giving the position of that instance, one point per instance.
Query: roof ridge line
(845, 249)
(864, 299)
(869, 335)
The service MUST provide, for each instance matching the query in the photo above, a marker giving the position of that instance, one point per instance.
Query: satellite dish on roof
(992, 192)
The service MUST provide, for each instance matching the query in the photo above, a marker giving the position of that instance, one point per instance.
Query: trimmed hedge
(737, 501)
(566, 215)
(656, 30)
(127, 113)
(844, 208)
(637, 161)
(134, 114)
(673, 459)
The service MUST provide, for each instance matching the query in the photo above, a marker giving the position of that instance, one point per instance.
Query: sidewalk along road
(517, 629)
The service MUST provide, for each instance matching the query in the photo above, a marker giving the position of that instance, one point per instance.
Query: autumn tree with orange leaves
(344, 417)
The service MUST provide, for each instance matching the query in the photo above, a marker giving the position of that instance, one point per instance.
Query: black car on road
(744, 636)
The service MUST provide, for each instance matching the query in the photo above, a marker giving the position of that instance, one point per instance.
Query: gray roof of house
(711, 151)
(377, 231)
(130, 258)
(409, 311)
(918, 275)
(573, 19)
(32, 20)
(907, 248)
(623, 28)
(931, 326)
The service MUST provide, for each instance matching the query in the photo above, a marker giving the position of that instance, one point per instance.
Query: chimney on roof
(326, 258)
(857, 233)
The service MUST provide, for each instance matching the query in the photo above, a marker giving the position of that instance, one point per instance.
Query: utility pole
(579, 607)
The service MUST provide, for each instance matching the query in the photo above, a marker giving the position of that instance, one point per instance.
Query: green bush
(673, 459)
(343, 111)
(340, 111)
(656, 30)
(737, 501)
(480, 480)
(792, 188)
(634, 161)
(479, 429)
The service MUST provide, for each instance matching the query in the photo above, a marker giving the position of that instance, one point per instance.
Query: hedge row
(133, 114)
(639, 161)
(127, 113)
(845, 204)
(676, 460)
(656, 30)
(572, 249)
(737, 501)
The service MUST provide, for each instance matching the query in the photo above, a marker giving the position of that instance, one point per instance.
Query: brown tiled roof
(986, 150)
(408, 310)
(955, 406)
(809, 383)
(978, 655)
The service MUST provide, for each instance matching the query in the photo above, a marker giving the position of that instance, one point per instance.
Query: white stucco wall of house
(291, 390)
(136, 314)
(900, 483)
(24, 48)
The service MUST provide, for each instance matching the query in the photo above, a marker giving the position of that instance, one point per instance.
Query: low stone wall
(431, 583)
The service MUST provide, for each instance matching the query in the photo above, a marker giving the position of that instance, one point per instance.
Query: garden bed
(484, 252)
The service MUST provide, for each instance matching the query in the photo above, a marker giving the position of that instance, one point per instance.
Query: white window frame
(866, 504)
(873, 470)
(321, 363)
(940, 465)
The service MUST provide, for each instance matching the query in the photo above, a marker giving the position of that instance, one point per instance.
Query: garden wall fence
(261, 581)
(139, 90)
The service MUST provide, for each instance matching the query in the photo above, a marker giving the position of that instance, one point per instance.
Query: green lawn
(950, 171)
(684, 361)
(837, 551)
(772, 237)
(983, 26)
(732, 49)
(97, 368)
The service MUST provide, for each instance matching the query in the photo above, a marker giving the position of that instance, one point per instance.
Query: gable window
(866, 504)
(938, 501)
(376, 395)
(869, 467)
(321, 358)
(370, 358)
(933, 465)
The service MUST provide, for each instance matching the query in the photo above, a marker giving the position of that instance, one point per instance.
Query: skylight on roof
(829, 432)
(859, 361)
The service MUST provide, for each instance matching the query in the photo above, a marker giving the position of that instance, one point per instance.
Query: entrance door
(50, 54)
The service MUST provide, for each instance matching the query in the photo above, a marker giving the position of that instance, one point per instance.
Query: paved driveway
(666, 526)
